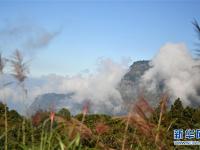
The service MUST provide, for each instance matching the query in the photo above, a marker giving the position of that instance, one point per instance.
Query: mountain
(130, 88)
(137, 69)
(54, 101)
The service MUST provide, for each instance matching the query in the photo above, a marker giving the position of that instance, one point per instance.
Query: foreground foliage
(143, 128)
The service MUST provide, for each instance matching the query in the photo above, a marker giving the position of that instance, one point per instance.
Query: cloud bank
(175, 68)
(99, 87)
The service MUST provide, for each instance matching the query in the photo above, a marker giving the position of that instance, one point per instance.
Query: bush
(65, 113)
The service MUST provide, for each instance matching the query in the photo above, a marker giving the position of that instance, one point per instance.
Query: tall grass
(125, 131)
(163, 108)
(84, 111)
(100, 128)
(20, 71)
(2, 66)
(139, 117)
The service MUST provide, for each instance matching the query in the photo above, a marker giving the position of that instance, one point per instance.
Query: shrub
(65, 113)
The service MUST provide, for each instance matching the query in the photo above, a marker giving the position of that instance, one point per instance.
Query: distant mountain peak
(49, 101)
(129, 88)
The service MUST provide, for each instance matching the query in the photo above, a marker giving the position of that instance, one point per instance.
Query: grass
(98, 132)
(20, 71)
(2, 65)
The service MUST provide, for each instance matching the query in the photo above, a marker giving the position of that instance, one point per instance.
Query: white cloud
(99, 87)
(26, 36)
(174, 66)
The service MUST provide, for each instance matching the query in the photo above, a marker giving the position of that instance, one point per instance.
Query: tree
(65, 113)
(197, 29)
(177, 109)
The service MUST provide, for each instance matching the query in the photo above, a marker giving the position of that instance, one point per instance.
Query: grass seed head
(20, 68)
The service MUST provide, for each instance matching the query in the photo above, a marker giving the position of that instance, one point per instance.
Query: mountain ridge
(129, 88)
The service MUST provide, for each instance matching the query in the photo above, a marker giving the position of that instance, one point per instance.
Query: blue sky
(89, 30)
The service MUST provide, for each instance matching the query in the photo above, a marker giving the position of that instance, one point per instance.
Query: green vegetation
(99, 131)
(65, 113)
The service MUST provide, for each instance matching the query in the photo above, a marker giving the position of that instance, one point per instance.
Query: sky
(70, 37)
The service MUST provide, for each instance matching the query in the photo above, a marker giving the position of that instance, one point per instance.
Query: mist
(178, 71)
(173, 67)
(98, 87)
